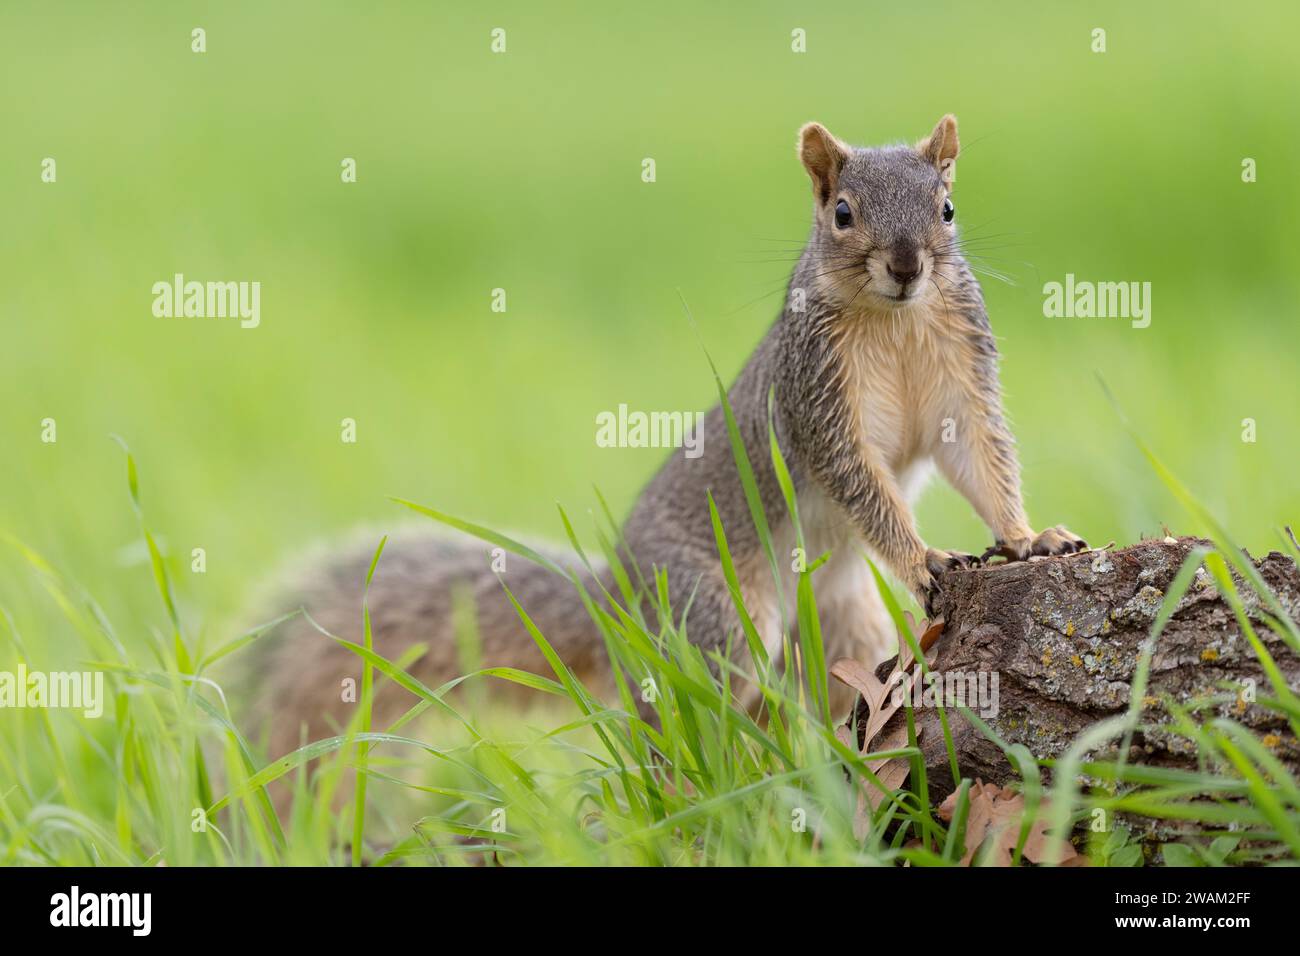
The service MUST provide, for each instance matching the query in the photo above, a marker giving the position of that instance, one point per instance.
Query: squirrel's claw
(936, 563)
(1058, 540)
(1001, 549)
(1053, 541)
(932, 601)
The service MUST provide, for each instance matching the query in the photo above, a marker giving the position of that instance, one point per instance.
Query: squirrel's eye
(843, 218)
(949, 210)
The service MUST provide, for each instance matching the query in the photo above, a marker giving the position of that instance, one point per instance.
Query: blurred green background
(522, 171)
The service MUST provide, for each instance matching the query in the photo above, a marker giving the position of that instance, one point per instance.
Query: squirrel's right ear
(823, 156)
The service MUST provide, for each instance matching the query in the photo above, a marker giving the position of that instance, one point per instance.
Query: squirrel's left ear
(941, 146)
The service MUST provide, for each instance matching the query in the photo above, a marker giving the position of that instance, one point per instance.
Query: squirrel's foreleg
(981, 463)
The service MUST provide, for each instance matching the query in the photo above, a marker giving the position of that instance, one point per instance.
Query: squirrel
(882, 365)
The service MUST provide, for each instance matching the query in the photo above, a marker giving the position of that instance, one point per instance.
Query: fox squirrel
(883, 365)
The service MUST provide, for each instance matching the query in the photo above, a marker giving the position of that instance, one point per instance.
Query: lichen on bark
(1064, 636)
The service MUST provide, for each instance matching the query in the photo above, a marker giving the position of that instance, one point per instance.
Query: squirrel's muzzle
(903, 264)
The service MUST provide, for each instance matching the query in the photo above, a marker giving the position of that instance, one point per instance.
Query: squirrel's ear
(941, 146)
(823, 156)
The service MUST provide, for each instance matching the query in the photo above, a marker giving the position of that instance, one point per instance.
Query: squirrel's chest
(901, 396)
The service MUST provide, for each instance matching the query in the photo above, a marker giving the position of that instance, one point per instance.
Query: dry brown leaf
(875, 693)
(848, 670)
(845, 736)
(901, 681)
(1041, 847)
(929, 632)
(892, 771)
(997, 813)
(880, 704)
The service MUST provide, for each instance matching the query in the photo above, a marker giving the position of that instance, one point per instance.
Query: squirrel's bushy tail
(423, 584)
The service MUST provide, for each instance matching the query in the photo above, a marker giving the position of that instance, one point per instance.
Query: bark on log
(1064, 636)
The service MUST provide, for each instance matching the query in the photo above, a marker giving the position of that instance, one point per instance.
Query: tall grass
(673, 771)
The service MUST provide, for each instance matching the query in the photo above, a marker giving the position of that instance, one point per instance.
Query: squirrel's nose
(903, 266)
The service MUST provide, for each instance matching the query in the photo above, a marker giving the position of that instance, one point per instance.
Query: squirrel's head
(883, 218)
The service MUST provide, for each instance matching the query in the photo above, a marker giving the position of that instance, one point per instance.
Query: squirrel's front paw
(936, 563)
(1053, 541)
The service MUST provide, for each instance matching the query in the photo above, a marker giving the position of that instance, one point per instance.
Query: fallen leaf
(997, 814)
(877, 705)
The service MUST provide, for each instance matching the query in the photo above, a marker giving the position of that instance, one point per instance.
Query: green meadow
(522, 171)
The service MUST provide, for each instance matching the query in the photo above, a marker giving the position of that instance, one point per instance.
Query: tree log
(1063, 636)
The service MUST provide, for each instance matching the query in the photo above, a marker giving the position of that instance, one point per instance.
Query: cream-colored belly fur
(908, 400)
